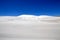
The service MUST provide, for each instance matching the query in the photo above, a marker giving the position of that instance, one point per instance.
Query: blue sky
(31, 7)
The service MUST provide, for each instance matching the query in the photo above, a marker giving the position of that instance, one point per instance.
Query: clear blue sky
(33, 7)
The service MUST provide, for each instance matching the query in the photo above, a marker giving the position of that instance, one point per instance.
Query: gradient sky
(32, 7)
